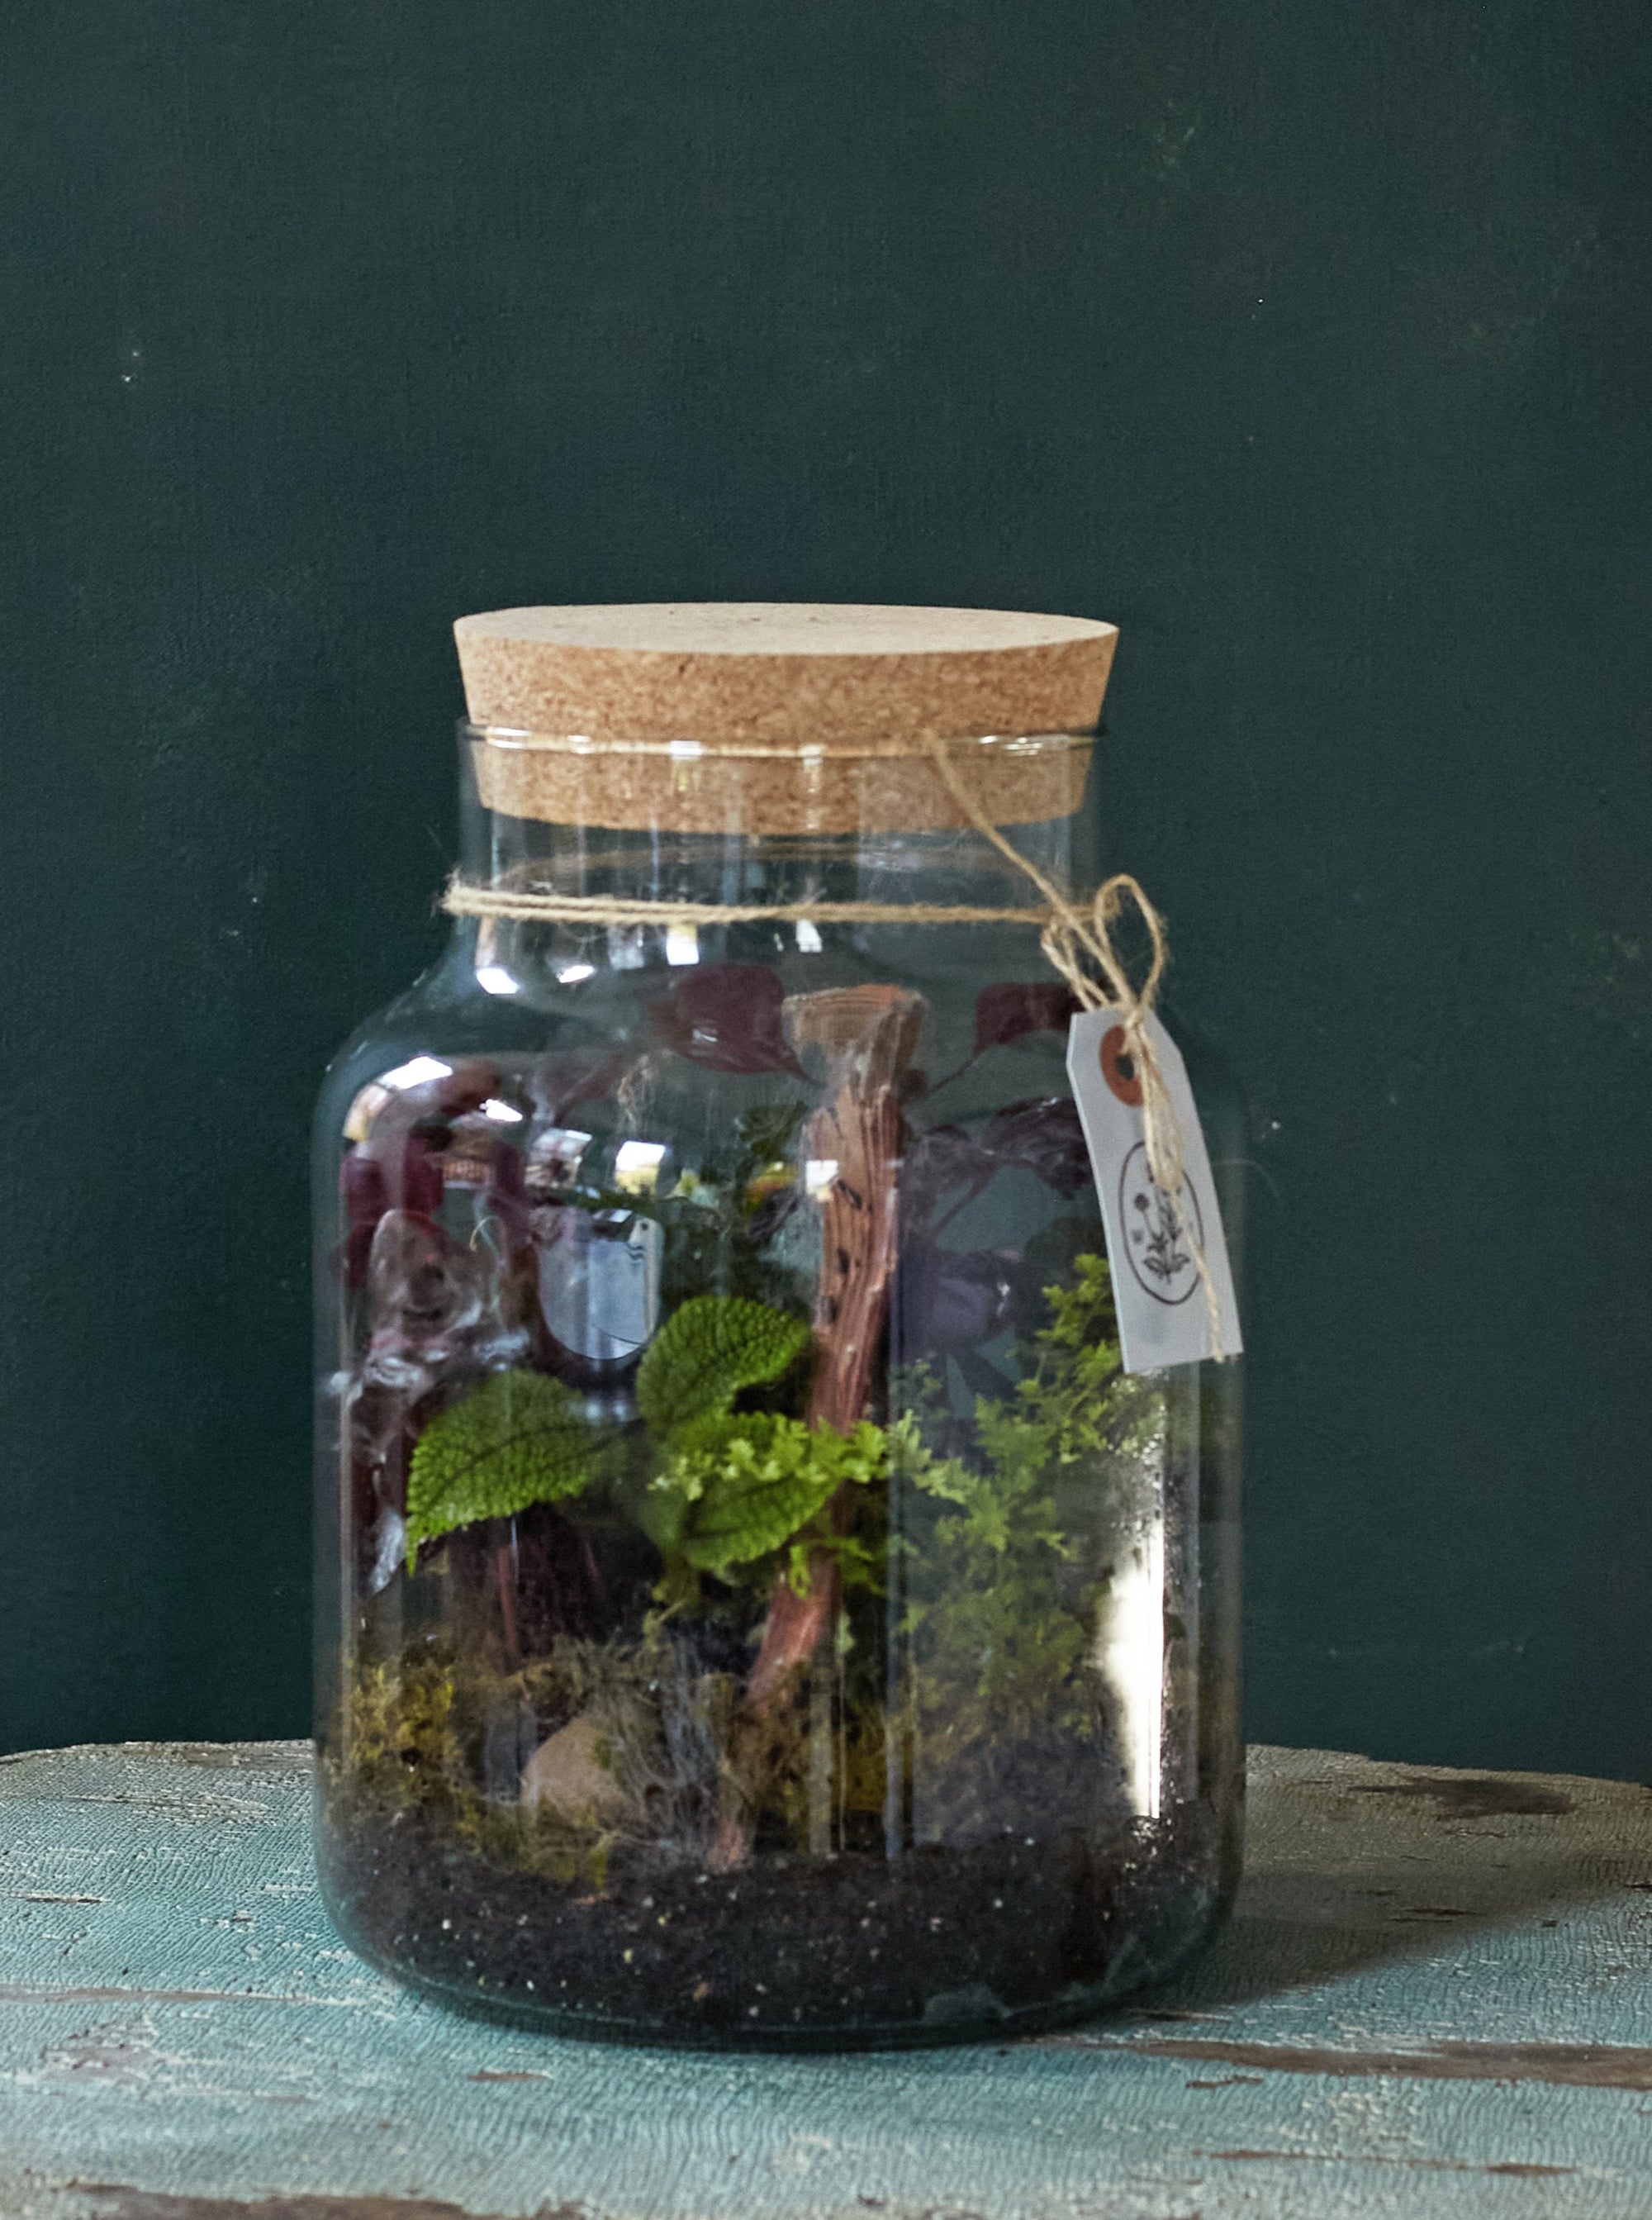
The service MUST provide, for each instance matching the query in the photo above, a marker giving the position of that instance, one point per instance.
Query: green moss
(398, 1735)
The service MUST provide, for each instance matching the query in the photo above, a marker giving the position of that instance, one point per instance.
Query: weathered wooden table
(1434, 2000)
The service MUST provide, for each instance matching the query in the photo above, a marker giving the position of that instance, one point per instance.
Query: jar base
(1008, 1939)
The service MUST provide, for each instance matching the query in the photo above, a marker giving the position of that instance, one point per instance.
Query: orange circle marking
(1118, 1068)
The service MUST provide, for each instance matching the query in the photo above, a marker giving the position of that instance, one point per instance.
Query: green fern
(739, 1486)
(517, 1439)
(709, 1351)
(1000, 1604)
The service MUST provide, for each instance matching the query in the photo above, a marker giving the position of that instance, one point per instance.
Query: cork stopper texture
(779, 717)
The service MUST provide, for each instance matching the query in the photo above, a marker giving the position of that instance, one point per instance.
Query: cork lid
(778, 717)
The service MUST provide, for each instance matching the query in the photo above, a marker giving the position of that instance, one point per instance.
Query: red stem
(505, 1567)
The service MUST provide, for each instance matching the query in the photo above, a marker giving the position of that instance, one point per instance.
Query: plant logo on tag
(1157, 1226)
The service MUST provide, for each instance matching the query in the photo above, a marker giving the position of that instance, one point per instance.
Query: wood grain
(1433, 2000)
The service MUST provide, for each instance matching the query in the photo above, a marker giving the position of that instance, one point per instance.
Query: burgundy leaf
(362, 1190)
(1042, 1136)
(936, 1164)
(1004, 1012)
(727, 1018)
(419, 1187)
(948, 1299)
(565, 1078)
(400, 1171)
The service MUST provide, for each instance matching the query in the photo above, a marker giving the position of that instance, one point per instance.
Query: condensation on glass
(755, 1608)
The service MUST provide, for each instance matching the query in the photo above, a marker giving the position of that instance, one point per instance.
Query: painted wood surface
(1433, 1999)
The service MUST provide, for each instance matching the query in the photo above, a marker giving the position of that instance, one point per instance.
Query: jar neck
(747, 868)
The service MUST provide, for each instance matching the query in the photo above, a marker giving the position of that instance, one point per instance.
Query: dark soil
(788, 1950)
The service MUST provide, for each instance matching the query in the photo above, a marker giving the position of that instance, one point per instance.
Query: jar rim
(686, 749)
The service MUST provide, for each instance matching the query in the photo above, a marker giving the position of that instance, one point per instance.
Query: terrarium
(757, 1606)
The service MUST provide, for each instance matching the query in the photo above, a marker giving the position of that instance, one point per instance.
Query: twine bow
(1069, 939)
(1072, 942)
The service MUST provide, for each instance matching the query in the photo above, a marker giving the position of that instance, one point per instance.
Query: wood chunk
(870, 1033)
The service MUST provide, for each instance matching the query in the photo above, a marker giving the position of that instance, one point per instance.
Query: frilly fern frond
(743, 1485)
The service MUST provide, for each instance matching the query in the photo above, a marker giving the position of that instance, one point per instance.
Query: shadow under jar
(755, 1608)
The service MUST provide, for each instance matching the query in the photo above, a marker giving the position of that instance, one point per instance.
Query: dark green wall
(1309, 342)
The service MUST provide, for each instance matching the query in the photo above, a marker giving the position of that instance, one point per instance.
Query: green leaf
(748, 1483)
(517, 1439)
(708, 1350)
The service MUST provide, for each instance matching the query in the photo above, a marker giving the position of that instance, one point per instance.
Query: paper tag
(1163, 1310)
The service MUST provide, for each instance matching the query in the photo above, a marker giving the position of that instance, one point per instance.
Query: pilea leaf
(748, 1482)
(517, 1439)
(710, 1350)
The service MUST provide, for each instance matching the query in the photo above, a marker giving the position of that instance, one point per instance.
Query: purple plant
(727, 1017)
(1041, 1135)
(1005, 1011)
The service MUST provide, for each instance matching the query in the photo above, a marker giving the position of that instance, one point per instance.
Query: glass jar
(756, 1609)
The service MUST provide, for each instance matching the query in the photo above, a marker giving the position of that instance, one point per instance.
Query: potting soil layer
(787, 1950)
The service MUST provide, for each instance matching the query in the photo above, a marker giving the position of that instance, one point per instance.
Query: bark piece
(871, 1035)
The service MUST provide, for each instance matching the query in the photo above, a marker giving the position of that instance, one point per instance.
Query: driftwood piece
(870, 1036)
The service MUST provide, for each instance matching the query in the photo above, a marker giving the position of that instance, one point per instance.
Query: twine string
(528, 906)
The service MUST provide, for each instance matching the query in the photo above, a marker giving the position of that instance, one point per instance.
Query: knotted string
(1071, 936)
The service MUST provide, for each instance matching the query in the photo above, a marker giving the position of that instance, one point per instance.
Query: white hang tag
(1164, 1313)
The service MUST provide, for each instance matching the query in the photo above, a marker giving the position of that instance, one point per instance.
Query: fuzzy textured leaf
(517, 1440)
(710, 1350)
(748, 1483)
